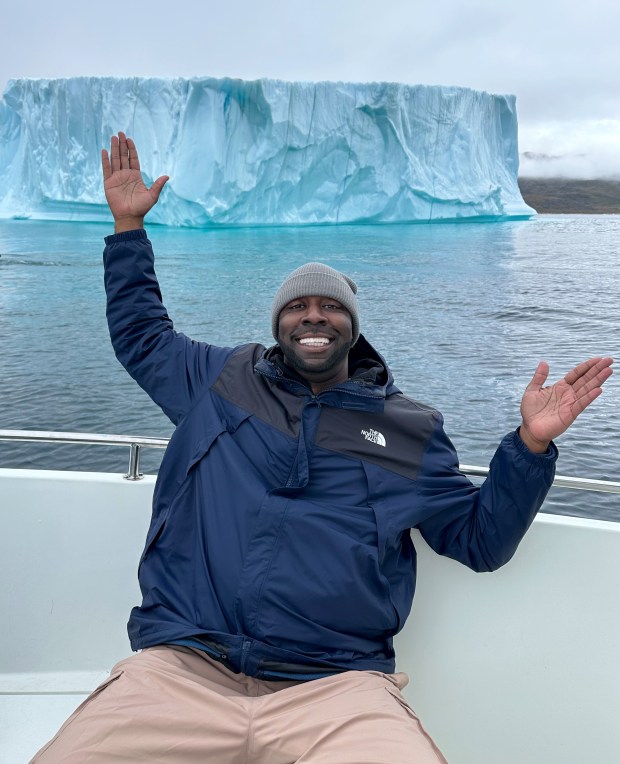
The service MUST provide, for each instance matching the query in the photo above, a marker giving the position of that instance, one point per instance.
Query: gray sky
(560, 58)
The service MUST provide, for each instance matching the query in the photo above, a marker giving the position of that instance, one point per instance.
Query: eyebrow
(301, 299)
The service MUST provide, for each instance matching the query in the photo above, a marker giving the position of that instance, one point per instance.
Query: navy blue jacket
(280, 537)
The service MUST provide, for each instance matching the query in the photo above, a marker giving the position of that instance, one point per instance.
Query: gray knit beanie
(316, 279)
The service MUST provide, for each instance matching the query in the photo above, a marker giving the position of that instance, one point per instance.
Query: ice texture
(263, 152)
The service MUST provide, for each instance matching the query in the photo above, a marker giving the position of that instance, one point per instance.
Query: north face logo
(374, 437)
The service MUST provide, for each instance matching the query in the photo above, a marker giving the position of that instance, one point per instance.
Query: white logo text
(374, 437)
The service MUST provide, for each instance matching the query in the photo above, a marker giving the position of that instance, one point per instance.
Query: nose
(314, 313)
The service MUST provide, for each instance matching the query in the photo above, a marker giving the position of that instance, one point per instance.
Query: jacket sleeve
(171, 368)
(481, 527)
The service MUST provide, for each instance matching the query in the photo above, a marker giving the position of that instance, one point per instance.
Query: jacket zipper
(245, 649)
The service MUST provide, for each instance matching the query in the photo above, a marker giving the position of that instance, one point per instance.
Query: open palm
(548, 411)
(125, 191)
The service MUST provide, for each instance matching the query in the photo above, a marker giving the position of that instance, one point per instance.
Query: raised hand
(127, 196)
(548, 411)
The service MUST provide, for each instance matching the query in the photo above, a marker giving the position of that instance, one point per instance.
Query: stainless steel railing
(135, 445)
(561, 481)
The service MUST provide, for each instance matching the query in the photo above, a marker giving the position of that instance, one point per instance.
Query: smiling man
(315, 319)
(279, 563)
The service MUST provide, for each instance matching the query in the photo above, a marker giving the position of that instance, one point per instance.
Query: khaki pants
(175, 705)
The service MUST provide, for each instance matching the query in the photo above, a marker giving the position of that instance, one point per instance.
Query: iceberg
(264, 152)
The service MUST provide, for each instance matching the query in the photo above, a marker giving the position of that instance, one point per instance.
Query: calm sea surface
(463, 314)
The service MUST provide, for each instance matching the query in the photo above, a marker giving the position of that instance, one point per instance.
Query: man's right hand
(128, 198)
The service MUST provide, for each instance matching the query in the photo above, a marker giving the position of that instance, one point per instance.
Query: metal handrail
(560, 481)
(91, 439)
(137, 443)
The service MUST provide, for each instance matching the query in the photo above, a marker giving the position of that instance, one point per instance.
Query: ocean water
(463, 313)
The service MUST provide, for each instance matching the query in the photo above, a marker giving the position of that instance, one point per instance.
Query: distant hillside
(566, 195)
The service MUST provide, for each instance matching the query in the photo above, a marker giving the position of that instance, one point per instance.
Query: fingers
(105, 165)
(589, 375)
(584, 401)
(115, 157)
(122, 140)
(580, 371)
(539, 378)
(132, 153)
(123, 155)
(586, 380)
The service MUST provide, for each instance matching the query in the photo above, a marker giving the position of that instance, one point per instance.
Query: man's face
(316, 334)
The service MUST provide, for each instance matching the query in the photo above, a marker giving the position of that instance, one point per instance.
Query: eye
(295, 306)
(332, 306)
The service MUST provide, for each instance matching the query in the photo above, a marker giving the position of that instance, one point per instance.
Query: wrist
(534, 445)
(128, 224)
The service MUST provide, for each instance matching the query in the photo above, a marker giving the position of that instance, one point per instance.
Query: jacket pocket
(383, 552)
(228, 422)
(396, 556)
(195, 453)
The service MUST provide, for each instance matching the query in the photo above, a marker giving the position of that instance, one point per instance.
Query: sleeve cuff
(550, 453)
(116, 238)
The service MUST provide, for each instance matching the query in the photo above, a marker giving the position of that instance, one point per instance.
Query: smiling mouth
(314, 342)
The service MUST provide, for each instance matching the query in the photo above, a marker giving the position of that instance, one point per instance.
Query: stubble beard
(302, 365)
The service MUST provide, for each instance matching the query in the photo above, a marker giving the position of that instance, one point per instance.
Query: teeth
(314, 341)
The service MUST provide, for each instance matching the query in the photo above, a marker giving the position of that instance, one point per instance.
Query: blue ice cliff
(265, 152)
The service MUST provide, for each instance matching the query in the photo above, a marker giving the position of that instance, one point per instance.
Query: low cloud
(583, 150)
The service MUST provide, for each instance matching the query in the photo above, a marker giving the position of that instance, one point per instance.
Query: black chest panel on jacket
(394, 439)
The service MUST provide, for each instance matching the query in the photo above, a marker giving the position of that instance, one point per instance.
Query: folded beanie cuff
(317, 279)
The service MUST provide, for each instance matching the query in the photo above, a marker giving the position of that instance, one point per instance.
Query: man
(279, 564)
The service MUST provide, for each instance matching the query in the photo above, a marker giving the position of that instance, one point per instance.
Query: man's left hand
(548, 411)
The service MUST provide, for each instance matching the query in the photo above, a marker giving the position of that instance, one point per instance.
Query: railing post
(134, 464)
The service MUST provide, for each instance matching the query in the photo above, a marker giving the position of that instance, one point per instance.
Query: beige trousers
(175, 705)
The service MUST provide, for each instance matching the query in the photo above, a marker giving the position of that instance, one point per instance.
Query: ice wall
(263, 153)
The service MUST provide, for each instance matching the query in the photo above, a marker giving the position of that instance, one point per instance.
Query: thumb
(158, 185)
(539, 378)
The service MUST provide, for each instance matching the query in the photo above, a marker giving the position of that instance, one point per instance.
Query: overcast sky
(560, 58)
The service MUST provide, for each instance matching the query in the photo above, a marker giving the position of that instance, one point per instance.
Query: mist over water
(462, 313)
